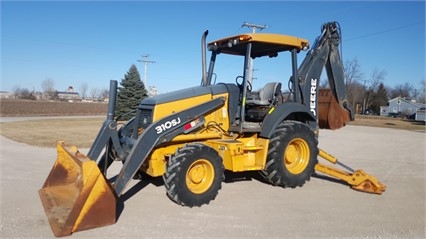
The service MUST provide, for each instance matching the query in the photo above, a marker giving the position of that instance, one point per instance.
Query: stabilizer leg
(358, 179)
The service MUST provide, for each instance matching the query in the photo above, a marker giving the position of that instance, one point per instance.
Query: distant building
(6, 95)
(400, 106)
(421, 114)
(70, 96)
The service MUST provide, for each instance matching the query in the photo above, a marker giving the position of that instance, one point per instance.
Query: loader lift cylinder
(112, 97)
(108, 131)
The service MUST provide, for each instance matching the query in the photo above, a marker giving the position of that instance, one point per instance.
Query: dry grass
(19, 108)
(386, 122)
(82, 131)
(44, 133)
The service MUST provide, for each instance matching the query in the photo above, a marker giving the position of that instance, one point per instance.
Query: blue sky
(93, 42)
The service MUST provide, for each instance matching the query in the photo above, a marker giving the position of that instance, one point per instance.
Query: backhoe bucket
(76, 196)
(330, 114)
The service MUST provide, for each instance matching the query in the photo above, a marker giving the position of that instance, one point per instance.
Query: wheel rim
(199, 176)
(296, 156)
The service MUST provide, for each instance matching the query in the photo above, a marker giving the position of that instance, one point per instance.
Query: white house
(70, 96)
(400, 106)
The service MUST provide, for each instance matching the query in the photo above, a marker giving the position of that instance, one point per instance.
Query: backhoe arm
(329, 105)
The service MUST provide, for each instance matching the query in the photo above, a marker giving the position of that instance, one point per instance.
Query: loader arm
(156, 134)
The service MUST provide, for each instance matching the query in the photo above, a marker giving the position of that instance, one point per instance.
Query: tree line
(130, 93)
(369, 92)
(49, 92)
(364, 92)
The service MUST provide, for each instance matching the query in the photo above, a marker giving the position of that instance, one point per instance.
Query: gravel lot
(246, 207)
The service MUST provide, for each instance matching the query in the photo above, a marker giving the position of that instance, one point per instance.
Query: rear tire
(292, 155)
(194, 175)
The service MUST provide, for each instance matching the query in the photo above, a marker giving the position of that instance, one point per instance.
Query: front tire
(292, 155)
(194, 175)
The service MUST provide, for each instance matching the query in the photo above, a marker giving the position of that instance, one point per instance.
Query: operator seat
(266, 96)
(258, 103)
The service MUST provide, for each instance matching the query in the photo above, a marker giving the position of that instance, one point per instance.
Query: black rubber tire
(208, 170)
(282, 169)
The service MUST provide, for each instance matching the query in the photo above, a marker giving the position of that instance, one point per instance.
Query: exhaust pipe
(112, 97)
(203, 58)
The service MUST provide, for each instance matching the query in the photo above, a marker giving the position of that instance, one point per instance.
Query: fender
(291, 110)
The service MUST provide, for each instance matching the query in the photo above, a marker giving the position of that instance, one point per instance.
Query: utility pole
(253, 28)
(145, 62)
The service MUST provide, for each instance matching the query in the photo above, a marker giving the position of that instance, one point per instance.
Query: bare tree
(23, 93)
(421, 98)
(16, 90)
(48, 87)
(94, 93)
(103, 94)
(352, 72)
(356, 93)
(376, 79)
(401, 90)
(83, 90)
(419, 93)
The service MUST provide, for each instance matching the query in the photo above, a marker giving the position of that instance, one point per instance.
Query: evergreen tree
(380, 98)
(130, 94)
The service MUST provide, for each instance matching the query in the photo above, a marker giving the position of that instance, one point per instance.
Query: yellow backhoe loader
(191, 136)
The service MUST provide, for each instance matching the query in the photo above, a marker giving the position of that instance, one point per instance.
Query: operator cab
(253, 104)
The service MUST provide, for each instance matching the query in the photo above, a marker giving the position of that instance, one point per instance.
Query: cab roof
(264, 44)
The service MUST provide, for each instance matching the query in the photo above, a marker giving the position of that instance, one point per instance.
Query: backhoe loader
(190, 137)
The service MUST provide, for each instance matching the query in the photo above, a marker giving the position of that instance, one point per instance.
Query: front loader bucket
(330, 114)
(76, 196)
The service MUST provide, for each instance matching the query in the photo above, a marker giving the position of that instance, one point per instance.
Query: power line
(384, 31)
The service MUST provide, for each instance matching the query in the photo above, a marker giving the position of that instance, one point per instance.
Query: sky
(92, 42)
